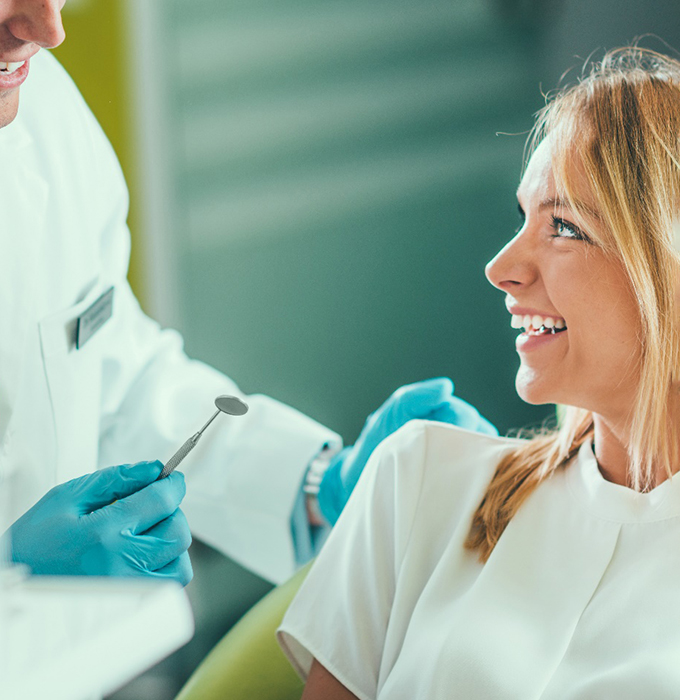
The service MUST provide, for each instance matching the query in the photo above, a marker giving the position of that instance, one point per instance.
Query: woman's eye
(564, 229)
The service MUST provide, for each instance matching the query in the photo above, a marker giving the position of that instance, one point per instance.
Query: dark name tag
(91, 320)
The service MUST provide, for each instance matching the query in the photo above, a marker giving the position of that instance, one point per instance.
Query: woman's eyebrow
(553, 203)
(550, 202)
(557, 203)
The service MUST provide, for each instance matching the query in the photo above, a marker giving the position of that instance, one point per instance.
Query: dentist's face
(26, 26)
(580, 345)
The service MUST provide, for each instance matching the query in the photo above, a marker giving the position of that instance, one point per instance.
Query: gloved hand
(118, 521)
(431, 400)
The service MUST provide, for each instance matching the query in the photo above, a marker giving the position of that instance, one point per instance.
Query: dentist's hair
(619, 126)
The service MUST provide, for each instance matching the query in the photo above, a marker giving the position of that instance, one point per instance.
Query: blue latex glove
(431, 400)
(118, 521)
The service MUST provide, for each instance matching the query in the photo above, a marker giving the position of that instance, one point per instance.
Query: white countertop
(80, 638)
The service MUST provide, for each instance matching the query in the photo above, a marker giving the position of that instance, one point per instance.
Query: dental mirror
(231, 405)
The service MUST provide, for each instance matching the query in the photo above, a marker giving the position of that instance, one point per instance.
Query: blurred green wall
(339, 184)
(96, 54)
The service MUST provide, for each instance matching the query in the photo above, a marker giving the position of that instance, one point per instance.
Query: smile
(539, 325)
(10, 67)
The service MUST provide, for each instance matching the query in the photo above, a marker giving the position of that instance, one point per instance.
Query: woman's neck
(611, 451)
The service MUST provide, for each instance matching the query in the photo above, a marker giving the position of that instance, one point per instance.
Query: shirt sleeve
(342, 612)
(245, 476)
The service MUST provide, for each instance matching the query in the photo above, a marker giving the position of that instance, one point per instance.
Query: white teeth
(537, 322)
(10, 67)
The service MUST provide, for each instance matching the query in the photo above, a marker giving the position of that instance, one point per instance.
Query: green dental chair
(248, 663)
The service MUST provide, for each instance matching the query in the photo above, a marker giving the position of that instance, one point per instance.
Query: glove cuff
(331, 496)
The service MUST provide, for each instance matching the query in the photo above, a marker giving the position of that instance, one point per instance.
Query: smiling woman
(606, 155)
(468, 566)
(553, 268)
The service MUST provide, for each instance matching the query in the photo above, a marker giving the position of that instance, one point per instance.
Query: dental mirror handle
(177, 458)
(231, 405)
(202, 430)
(183, 451)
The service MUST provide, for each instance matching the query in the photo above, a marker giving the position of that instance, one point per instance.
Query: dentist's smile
(13, 74)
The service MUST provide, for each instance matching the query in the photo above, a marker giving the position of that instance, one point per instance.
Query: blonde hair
(621, 124)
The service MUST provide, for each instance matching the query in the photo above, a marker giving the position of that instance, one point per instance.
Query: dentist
(88, 381)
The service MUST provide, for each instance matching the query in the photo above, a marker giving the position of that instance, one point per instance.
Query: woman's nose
(513, 266)
(38, 22)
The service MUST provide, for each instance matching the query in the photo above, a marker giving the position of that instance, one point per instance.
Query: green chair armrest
(248, 662)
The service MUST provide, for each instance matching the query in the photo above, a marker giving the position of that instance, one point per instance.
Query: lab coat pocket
(74, 380)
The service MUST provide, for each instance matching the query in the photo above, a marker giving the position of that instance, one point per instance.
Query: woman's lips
(526, 342)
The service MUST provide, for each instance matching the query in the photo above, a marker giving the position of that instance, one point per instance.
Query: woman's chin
(534, 392)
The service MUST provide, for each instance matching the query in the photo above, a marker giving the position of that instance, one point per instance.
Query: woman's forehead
(541, 184)
(538, 181)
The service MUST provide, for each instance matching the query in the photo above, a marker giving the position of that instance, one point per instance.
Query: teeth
(538, 323)
(10, 67)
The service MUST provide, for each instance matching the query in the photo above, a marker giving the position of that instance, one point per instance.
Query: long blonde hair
(621, 123)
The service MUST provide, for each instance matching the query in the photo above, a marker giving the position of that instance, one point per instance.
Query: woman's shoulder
(428, 460)
(442, 446)
(447, 467)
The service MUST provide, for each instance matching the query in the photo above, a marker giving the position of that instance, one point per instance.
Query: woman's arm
(322, 685)
(342, 611)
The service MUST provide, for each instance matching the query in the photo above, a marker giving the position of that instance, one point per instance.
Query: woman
(474, 567)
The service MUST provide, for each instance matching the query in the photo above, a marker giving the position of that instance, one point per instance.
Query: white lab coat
(130, 393)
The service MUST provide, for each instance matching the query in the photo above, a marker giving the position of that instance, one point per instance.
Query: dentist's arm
(118, 521)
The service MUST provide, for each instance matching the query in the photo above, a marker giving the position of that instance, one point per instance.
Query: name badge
(91, 320)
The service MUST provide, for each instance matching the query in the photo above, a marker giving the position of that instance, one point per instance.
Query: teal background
(342, 185)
